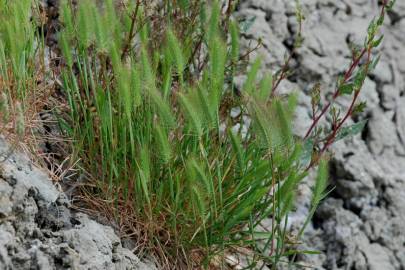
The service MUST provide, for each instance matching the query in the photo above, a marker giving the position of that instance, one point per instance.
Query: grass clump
(22, 85)
(15, 69)
(156, 128)
(150, 116)
(150, 90)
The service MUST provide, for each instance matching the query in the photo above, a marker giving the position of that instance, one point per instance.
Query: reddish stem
(355, 62)
(346, 77)
(284, 69)
(282, 74)
(332, 136)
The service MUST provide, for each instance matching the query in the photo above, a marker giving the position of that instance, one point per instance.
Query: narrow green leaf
(284, 124)
(391, 5)
(351, 130)
(374, 63)
(359, 78)
(359, 108)
(214, 21)
(176, 50)
(191, 114)
(308, 147)
(321, 183)
(346, 89)
(247, 23)
(217, 71)
(234, 42)
(265, 87)
(66, 50)
(377, 42)
(250, 85)
(145, 173)
(237, 148)
(136, 88)
(318, 192)
(67, 18)
(163, 143)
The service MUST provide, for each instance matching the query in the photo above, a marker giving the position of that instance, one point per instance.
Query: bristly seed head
(20, 125)
(5, 107)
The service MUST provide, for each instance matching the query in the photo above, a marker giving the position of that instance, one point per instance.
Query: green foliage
(16, 47)
(391, 4)
(346, 89)
(247, 23)
(235, 48)
(155, 125)
(351, 130)
(319, 191)
(20, 45)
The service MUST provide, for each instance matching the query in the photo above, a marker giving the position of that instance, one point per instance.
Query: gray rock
(5, 202)
(378, 257)
(390, 95)
(383, 72)
(382, 131)
(400, 119)
(38, 231)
